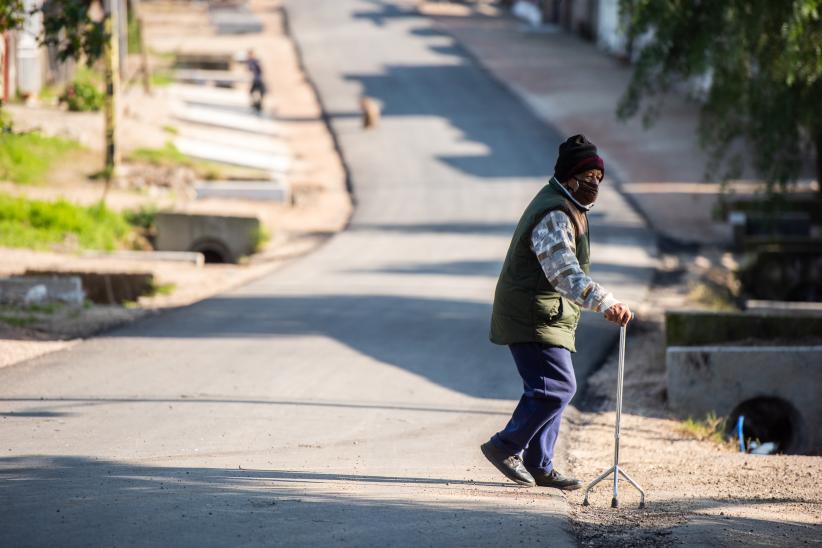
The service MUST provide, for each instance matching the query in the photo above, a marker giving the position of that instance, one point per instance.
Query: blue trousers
(549, 384)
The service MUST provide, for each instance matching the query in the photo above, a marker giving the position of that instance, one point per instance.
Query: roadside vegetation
(162, 77)
(170, 156)
(85, 92)
(26, 158)
(712, 296)
(710, 428)
(260, 237)
(28, 315)
(44, 225)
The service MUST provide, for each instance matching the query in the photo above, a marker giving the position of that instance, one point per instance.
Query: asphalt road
(343, 398)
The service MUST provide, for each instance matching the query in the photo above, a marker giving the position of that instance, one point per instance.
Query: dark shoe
(510, 465)
(555, 479)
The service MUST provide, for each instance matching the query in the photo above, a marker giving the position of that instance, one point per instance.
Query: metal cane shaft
(615, 469)
(620, 371)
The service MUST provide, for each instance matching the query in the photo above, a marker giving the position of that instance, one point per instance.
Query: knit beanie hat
(576, 155)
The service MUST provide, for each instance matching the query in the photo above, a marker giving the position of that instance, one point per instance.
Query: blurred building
(24, 60)
(27, 65)
(594, 20)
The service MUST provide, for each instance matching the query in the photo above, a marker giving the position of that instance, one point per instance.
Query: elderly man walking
(543, 284)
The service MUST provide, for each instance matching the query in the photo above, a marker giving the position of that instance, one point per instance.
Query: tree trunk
(112, 78)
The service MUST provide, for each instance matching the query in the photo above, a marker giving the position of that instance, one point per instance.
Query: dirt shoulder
(699, 492)
(321, 204)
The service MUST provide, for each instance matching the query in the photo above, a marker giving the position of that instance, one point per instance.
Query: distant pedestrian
(258, 89)
(543, 284)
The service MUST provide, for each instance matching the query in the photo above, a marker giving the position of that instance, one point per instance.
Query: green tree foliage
(11, 14)
(67, 24)
(763, 59)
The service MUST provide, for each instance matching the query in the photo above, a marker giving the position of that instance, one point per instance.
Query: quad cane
(615, 469)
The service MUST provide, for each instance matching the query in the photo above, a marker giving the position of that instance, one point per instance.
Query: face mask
(586, 193)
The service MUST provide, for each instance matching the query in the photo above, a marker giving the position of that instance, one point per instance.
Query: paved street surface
(576, 87)
(343, 398)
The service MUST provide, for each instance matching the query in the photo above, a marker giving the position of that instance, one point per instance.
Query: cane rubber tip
(614, 503)
(586, 503)
(642, 505)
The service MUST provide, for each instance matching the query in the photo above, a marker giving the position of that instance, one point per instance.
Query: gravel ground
(699, 492)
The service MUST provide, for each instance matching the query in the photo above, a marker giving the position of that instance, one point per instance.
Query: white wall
(29, 56)
(609, 37)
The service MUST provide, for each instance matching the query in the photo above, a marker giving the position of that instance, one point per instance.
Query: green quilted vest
(526, 306)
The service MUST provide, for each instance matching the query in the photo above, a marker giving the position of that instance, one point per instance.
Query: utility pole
(112, 78)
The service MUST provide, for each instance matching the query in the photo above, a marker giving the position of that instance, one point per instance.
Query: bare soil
(699, 492)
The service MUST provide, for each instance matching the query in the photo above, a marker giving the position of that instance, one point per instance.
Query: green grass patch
(710, 428)
(260, 237)
(28, 157)
(133, 35)
(166, 57)
(171, 130)
(50, 93)
(27, 315)
(6, 124)
(18, 321)
(169, 155)
(48, 308)
(90, 75)
(39, 224)
(162, 289)
(162, 77)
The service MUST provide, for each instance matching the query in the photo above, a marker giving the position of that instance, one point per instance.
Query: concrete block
(268, 191)
(733, 380)
(210, 95)
(701, 327)
(229, 120)
(204, 60)
(220, 239)
(105, 287)
(227, 154)
(193, 258)
(221, 78)
(30, 290)
(234, 20)
(783, 307)
(274, 146)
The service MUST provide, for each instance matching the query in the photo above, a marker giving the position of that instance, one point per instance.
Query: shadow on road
(491, 229)
(445, 341)
(74, 501)
(505, 138)
(48, 406)
(79, 501)
(434, 338)
(515, 143)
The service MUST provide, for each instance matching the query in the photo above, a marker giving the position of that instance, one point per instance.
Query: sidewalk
(575, 87)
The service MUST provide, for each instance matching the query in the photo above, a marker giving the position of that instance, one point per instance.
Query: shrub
(82, 96)
(142, 218)
(40, 224)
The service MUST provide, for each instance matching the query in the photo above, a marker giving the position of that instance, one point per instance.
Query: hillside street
(342, 398)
